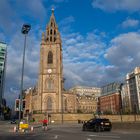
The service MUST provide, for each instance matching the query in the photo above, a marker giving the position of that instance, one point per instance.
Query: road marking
(93, 135)
(89, 139)
(56, 136)
(105, 136)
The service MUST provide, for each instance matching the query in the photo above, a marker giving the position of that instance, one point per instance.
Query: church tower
(51, 69)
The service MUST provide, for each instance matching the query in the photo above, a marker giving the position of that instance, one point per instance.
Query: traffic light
(17, 104)
(23, 104)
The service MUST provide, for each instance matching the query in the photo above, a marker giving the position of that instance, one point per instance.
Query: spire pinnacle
(52, 33)
(52, 10)
(43, 38)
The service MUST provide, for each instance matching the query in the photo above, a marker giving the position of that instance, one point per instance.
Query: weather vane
(52, 9)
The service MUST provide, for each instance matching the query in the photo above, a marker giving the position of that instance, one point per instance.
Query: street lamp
(62, 111)
(62, 104)
(120, 100)
(25, 29)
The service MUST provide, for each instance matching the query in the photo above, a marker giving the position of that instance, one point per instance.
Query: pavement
(69, 131)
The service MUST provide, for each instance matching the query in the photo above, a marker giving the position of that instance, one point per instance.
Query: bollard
(26, 130)
(15, 129)
(32, 128)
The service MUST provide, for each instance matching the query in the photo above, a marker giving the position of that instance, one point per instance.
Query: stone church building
(49, 95)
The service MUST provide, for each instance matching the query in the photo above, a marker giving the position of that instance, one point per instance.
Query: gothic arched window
(50, 57)
(51, 31)
(49, 104)
(50, 84)
(65, 103)
(51, 23)
(54, 39)
(50, 39)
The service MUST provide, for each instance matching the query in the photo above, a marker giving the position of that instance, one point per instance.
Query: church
(49, 95)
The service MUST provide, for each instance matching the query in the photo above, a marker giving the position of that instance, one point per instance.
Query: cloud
(117, 5)
(12, 16)
(124, 52)
(84, 62)
(90, 47)
(6, 17)
(130, 23)
(81, 59)
(2, 37)
(66, 23)
(34, 8)
(14, 64)
(12, 20)
(85, 58)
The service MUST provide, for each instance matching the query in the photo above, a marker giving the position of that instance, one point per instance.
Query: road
(70, 133)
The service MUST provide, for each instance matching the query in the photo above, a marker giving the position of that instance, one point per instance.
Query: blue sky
(101, 40)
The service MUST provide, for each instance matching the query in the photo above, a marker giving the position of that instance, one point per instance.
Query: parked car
(97, 124)
(13, 121)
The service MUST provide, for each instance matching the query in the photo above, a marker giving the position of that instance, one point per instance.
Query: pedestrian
(45, 123)
(33, 119)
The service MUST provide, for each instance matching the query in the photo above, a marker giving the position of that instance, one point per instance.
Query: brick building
(110, 99)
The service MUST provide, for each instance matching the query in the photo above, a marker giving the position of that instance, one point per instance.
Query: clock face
(49, 70)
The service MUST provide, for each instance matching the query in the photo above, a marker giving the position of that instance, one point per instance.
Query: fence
(75, 117)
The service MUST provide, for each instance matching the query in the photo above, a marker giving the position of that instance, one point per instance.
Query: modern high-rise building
(133, 82)
(3, 54)
(125, 96)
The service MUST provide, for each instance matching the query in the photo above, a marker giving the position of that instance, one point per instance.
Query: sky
(100, 40)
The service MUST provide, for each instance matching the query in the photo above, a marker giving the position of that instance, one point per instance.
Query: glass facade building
(3, 54)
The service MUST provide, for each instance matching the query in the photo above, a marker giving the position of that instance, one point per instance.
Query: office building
(133, 83)
(3, 53)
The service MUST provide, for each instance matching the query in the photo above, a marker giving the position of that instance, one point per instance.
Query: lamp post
(62, 104)
(120, 101)
(62, 111)
(25, 29)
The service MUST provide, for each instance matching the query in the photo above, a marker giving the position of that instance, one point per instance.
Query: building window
(50, 57)
(2, 53)
(51, 31)
(1, 58)
(65, 103)
(51, 24)
(50, 39)
(2, 49)
(49, 104)
(50, 84)
(54, 39)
